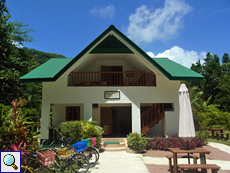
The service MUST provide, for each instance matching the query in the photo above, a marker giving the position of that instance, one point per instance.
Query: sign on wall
(112, 94)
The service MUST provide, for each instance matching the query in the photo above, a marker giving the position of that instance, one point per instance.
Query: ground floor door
(106, 120)
(116, 121)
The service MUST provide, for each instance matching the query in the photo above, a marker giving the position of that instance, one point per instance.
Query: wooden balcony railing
(112, 79)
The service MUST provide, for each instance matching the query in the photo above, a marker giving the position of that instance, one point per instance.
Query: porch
(112, 79)
(117, 120)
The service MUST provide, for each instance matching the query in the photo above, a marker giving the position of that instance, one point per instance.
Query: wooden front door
(106, 120)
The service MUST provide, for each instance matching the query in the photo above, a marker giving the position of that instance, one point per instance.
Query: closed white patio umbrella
(186, 124)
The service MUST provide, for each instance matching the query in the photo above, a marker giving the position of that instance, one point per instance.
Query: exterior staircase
(151, 116)
(113, 144)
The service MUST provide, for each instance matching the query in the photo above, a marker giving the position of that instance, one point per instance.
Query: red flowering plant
(19, 147)
(15, 131)
(160, 143)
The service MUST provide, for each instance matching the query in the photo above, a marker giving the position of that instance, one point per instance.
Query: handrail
(112, 79)
(151, 116)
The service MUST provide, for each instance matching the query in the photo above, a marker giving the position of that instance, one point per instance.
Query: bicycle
(65, 160)
(33, 165)
(90, 152)
(26, 169)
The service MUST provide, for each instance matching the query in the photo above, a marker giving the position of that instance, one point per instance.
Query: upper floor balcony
(132, 78)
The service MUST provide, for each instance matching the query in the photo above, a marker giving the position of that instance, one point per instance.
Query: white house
(114, 82)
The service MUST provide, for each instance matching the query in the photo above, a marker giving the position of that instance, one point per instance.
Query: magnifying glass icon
(9, 160)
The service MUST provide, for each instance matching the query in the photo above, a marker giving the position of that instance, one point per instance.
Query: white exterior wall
(59, 113)
(58, 94)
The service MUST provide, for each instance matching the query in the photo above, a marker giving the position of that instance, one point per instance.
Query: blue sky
(182, 30)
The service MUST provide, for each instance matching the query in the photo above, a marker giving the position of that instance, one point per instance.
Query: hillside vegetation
(41, 57)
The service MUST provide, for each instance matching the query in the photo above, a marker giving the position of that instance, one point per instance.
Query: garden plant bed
(215, 154)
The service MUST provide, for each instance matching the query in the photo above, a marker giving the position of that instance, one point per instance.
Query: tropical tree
(15, 60)
(225, 58)
(212, 73)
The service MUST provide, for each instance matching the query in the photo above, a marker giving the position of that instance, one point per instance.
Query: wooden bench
(220, 135)
(181, 156)
(213, 167)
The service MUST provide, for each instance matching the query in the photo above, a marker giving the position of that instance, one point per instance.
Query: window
(168, 106)
(72, 113)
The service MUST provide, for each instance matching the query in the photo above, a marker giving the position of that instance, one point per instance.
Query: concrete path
(120, 161)
(221, 147)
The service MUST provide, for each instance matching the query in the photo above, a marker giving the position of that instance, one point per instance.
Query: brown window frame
(78, 113)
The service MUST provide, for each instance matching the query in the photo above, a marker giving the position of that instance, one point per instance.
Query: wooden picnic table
(200, 151)
(217, 130)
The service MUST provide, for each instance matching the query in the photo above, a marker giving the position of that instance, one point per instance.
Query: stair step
(105, 143)
(113, 149)
(110, 143)
(112, 140)
(113, 144)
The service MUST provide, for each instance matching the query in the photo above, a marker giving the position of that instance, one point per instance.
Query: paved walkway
(120, 161)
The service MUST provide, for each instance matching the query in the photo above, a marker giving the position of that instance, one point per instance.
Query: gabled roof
(54, 68)
(175, 71)
(49, 71)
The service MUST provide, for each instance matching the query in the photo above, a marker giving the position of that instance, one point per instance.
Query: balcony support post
(45, 120)
(136, 118)
(88, 111)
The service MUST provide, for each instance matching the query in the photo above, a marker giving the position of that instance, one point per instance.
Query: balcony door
(112, 78)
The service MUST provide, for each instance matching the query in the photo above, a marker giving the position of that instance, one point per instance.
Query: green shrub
(72, 130)
(203, 135)
(90, 130)
(78, 130)
(217, 126)
(136, 142)
(96, 123)
(210, 117)
(98, 134)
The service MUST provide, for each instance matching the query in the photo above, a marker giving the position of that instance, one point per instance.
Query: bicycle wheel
(55, 167)
(80, 163)
(60, 165)
(96, 152)
(65, 165)
(25, 169)
(41, 170)
(91, 155)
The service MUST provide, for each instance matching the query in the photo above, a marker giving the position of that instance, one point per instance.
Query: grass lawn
(219, 141)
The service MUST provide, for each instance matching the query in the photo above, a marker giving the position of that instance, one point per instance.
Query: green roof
(175, 71)
(54, 68)
(49, 71)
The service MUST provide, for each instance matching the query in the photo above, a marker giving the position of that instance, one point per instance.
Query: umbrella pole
(188, 153)
(188, 159)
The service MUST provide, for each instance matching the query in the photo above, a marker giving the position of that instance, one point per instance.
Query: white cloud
(104, 12)
(151, 54)
(147, 25)
(181, 56)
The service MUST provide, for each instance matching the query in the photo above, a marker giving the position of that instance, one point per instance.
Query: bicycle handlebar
(45, 140)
